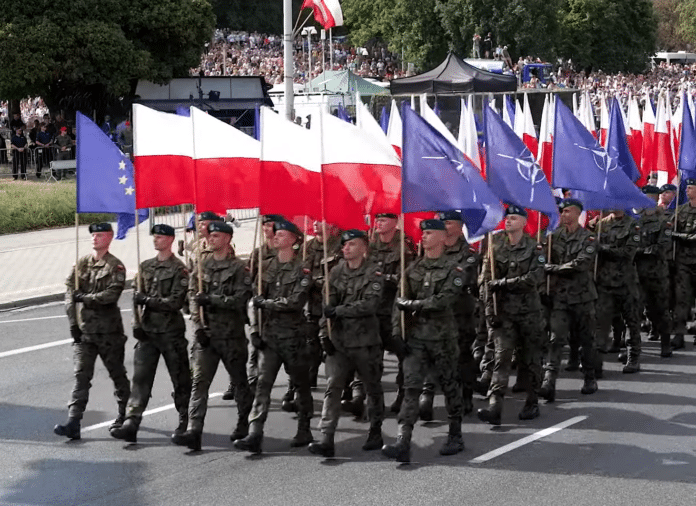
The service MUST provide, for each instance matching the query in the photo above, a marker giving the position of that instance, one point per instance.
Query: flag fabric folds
(395, 128)
(437, 176)
(687, 150)
(384, 119)
(327, 13)
(513, 173)
(617, 143)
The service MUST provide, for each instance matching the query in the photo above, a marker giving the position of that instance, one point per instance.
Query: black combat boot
(455, 441)
(190, 438)
(288, 403)
(425, 405)
(128, 431)
(356, 405)
(229, 393)
(482, 385)
(493, 413)
(304, 434)
(467, 400)
(183, 422)
(622, 357)
(678, 342)
(665, 348)
(120, 418)
(401, 449)
(589, 386)
(530, 411)
(396, 405)
(70, 429)
(241, 430)
(632, 365)
(252, 442)
(573, 360)
(325, 447)
(548, 388)
(374, 439)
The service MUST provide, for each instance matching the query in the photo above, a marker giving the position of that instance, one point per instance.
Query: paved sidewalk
(34, 265)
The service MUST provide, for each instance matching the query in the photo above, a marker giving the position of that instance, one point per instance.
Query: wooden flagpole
(323, 216)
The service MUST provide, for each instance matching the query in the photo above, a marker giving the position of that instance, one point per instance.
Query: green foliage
(81, 53)
(30, 205)
(669, 24)
(687, 21)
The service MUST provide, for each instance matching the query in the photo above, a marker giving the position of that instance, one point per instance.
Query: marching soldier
(160, 331)
(433, 285)
(353, 342)
(219, 332)
(98, 331)
(281, 341)
(573, 295)
(514, 314)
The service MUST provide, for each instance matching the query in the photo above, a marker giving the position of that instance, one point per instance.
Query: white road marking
(146, 413)
(34, 348)
(525, 440)
(47, 318)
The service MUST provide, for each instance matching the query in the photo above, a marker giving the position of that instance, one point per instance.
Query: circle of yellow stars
(124, 179)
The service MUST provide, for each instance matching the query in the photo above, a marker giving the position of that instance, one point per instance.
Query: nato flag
(687, 145)
(617, 145)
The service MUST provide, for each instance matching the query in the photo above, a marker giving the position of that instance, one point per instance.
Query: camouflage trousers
(441, 356)
(111, 349)
(314, 351)
(655, 300)
(367, 361)
(610, 302)
(523, 335)
(684, 289)
(581, 318)
(173, 349)
(204, 363)
(293, 354)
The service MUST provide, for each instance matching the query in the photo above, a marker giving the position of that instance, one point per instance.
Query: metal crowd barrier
(178, 216)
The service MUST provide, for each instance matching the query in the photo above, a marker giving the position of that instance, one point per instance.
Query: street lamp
(309, 31)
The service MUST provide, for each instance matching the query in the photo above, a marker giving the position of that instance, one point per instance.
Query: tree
(262, 17)
(611, 35)
(687, 21)
(87, 54)
(669, 23)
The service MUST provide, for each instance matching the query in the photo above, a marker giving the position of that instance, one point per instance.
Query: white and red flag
(648, 153)
(468, 134)
(635, 137)
(545, 152)
(529, 136)
(163, 158)
(226, 163)
(395, 128)
(327, 13)
(603, 121)
(664, 158)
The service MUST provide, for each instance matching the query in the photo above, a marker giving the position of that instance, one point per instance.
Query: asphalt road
(632, 443)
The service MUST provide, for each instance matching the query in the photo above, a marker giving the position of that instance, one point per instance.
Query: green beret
(386, 215)
(161, 229)
(450, 215)
(520, 211)
(209, 216)
(432, 225)
(272, 218)
(668, 188)
(100, 227)
(351, 234)
(220, 226)
(649, 189)
(287, 225)
(570, 202)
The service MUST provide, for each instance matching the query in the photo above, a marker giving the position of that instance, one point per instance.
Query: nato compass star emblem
(458, 166)
(528, 169)
(602, 160)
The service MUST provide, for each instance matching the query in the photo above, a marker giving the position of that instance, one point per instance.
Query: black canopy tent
(454, 75)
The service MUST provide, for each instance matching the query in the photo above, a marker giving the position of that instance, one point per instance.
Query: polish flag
(589, 117)
(664, 158)
(635, 137)
(429, 115)
(545, 150)
(163, 158)
(395, 128)
(468, 135)
(290, 179)
(648, 154)
(226, 163)
(358, 182)
(327, 13)
(529, 136)
(676, 127)
(603, 121)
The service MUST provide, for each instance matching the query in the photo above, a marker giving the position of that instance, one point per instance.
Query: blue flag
(384, 119)
(437, 176)
(617, 145)
(579, 162)
(436, 109)
(687, 145)
(343, 114)
(510, 108)
(513, 173)
(126, 221)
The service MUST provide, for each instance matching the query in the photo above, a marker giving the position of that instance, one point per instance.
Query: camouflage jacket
(102, 282)
(166, 284)
(470, 261)
(574, 254)
(618, 243)
(686, 224)
(315, 263)
(228, 282)
(285, 286)
(355, 293)
(437, 283)
(522, 265)
(655, 246)
(387, 257)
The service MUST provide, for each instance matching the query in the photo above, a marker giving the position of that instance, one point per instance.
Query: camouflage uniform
(102, 282)
(518, 324)
(684, 236)
(573, 296)
(653, 272)
(228, 284)
(355, 293)
(617, 284)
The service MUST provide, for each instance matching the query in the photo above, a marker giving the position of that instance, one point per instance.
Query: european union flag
(687, 145)
(437, 176)
(513, 173)
(617, 145)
